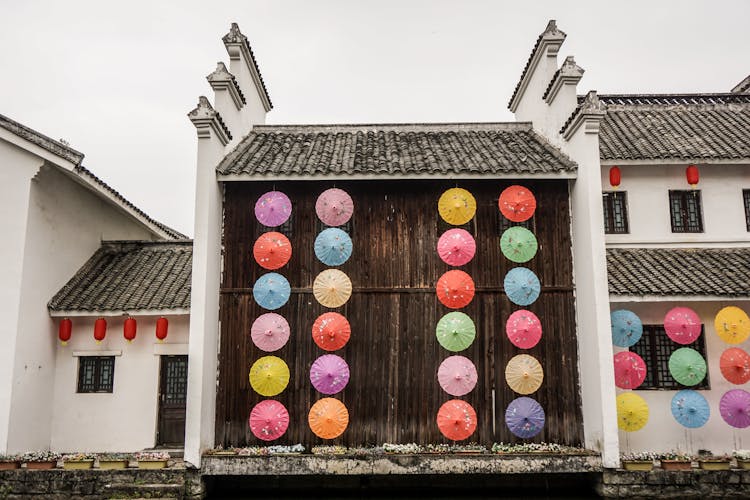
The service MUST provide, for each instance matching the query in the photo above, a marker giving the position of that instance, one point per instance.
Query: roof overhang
(394, 177)
(676, 298)
(677, 161)
(121, 313)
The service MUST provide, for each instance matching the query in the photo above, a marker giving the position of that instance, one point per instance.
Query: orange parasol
(328, 418)
(331, 331)
(457, 420)
(272, 250)
(455, 289)
(735, 365)
(517, 203)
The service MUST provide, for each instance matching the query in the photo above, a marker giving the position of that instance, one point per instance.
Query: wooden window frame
(609, 200)
(100, 383)
(746, 202)
(680, 211)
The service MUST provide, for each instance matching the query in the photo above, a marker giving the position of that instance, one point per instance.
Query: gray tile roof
(388, 150)
(55, 147)
(679, 271)
(129, 276)
(686, 127)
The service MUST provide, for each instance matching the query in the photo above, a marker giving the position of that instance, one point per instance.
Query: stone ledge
(398, 464)
(659, 483)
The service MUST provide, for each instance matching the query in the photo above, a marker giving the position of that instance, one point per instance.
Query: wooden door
(172, 398)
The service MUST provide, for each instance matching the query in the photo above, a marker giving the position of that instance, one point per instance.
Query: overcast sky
(116, 79)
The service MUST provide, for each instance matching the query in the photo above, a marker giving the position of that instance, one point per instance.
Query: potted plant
(743, 458)
(329, 450)
(638, 461)
(296, 449)
(714, 462)
(152, 459)
(76, 461)
(402, 449)
(676, 460)
(113, 460)
(8, 462)
(38, 460)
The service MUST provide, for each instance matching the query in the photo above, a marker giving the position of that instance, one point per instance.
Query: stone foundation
(658, 483)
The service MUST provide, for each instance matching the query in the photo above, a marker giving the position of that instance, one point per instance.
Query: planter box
(41, 465)
(714, 464)
(113, 464)
(152, 464)
(676, 465)
(10, 465)
(743, 464)
(78, 464)
(638, 465)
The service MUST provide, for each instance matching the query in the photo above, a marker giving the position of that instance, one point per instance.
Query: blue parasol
(271, 291)
(524, 417)
(690, 408)
(333, 246)
(626, 328)
(522, 286)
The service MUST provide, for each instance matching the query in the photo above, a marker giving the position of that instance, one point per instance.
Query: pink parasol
(523, 328)
(269, 332)
(273, 208)
(682, 325)
(630, 370)
(735, 408)
(329, 374)
(457, 375)
(268, 420)
(334, 207)
(456, 247)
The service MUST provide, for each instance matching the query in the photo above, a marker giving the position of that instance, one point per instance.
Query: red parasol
(455, 289)
(683, 325)
(735, 365)
(272, 250)
(457, 420)
(517, 203)
(331, 331)
(630, 370)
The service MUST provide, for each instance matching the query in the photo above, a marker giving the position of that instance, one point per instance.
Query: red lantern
(162, 325)
(692, 175)
(100, 329)
(129, 329)
(615, 177)
(65, 331)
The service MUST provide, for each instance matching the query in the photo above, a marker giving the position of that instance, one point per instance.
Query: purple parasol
(735, 408)
(329, 374)
(273, 208)
(524, 417)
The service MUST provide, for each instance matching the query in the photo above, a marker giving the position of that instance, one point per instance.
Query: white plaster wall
(126, 419)
(558, 112)
(531, 107)
(648, 188)
(66, 224)
(662, 432)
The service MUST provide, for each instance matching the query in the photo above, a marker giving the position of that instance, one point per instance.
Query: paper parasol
(333, 246)
(272, 250)
(523, 328)
(269, 332)
(455, 289)
(332, 288)
(328, 418)
(524, 374)
(630, 370)
(271, 291)
(457, 206)
(687, 366)
(518, 244)
(331, 331)
(269, 376)
(334, 207)
(522, 286)
(268, 420)
(524, 417)
(732, 325)
(734, 407)
(690, 409)
(517, 203)
(455, 331)
(456, 419)
(456, 247)
(626, 328)
(273, 208)
(682, 325)
(329, 374)
(632, 412)
(457, 375)
(735, 365)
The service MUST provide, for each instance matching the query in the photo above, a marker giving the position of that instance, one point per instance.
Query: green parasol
(518, 244)
(455, 331)
(687, 366)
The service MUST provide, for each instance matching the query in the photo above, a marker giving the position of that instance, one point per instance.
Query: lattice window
(746, 200)
(96, 373)
(655, 347)
(615, 212)
(504, 223)
(685, 211)
(175, 381)
(285, 228)
(348, 227)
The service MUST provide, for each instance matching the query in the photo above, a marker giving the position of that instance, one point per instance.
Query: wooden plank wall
(393, 394)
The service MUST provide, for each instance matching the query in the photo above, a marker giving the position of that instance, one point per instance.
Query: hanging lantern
(65, 330)
(129, 329)
(100, 329)
(692, 175)
(615, 177)
(162, 325)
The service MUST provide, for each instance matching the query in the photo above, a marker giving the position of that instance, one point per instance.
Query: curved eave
(393, 177)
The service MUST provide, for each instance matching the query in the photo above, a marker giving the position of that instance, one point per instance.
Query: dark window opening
(746, 200)
(504, 223)
(685, 211)
(285, 228)
(96, 373)
(615, 212)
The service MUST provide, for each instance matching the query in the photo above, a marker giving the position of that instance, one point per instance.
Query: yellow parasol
(524, 374)
(632, 412)
(332, 288)
(457, 206)
(732, 325)
(269, 376)
(328, 418)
